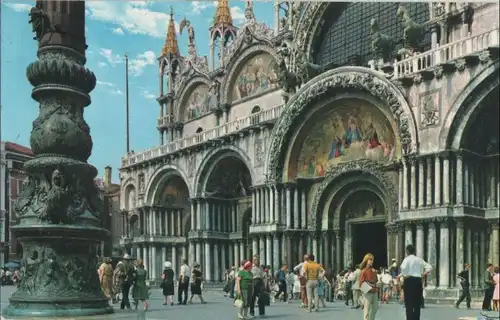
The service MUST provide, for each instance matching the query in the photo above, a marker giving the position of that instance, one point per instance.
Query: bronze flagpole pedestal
(59, 211)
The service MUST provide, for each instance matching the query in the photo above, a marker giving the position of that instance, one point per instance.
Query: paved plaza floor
(220, 308)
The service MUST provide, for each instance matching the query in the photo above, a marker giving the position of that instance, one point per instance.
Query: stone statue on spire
(249, 14)
(190, 30)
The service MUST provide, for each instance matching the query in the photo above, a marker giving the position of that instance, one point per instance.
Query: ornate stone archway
(344, 174)
(466, 104)
(161, 175)
(341, 80)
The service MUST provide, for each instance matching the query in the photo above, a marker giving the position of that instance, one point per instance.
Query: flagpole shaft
(127, 103)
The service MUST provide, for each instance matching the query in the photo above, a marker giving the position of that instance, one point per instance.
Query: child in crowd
(321, 291)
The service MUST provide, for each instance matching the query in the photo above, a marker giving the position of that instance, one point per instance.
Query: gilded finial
(170, 46)
(171, 12)
(223, 13)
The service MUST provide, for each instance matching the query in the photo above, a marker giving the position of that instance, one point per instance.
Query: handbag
(238, 303)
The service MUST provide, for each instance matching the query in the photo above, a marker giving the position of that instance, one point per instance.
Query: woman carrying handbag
(243, 290)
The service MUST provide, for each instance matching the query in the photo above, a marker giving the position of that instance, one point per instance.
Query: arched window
(200, 129)
(346, 37)
(255, 109)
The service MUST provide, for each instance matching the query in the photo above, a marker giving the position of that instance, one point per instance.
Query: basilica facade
(346, 128)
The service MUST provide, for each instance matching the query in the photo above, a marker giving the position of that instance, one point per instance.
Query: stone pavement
(220, 308)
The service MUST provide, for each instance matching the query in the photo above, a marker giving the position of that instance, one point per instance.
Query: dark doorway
(371, 238)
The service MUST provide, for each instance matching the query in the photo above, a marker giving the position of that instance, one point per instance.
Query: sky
(113, 28)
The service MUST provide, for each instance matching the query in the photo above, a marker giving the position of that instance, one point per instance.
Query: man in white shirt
(184, 275)
(356, 289)
(412, 270)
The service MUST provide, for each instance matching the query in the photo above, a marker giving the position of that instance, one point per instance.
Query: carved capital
(484, 56)
(438, 72)
(417, 78)
(494, 223)
(420, 225)
(460, 64)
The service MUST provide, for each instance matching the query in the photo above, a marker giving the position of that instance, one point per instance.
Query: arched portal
(172, 200)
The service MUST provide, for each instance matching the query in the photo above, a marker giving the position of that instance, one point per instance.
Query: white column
(216, 263)
(180, 227)
(234, 219)
(468, 245)
(413, 183)
(193, 216)
(303, 209)
(192, 253)
(466, 188)
(242, 253)
(172, 222)
(199, 258)
(265, 202)
(296, 212)
(432, 254)
(236, 252)
(460, 179)
(400, 187)
(271, 204)
(288, 210)
(175, 265)
(154, 263)
(208, 215)
(421, 182)
(444, 255)
(405, 185)
(459, 254)
(446, 180)
(257, 207)
(208, 263)
(184, 254)
(420, 239)
(254, 206)
(408, 234)
(154, 216)
(269, 250)
(145, 257)
(163, 254)
(437, 180)
(198, 215)
(277, 206)
(262, 249)
(150, 222)
(223, 250)
(255, 245)
(428, 196)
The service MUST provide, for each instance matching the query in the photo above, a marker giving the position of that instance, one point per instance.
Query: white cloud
(148, 95)
(198, 6)
(136, 65)
(237, 14)
(110, 87)
(134, 17)
(118, 31)
(19, 7)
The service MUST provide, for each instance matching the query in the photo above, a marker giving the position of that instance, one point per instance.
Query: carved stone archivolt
(345, 79)
(335, 173)
(311, 18)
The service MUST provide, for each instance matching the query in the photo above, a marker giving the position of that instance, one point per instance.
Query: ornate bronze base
(57, 277)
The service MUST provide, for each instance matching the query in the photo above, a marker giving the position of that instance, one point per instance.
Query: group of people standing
(491, 285)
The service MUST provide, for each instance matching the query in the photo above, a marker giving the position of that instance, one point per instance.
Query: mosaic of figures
(198, 102)
(363, 204)
(351, 130)
(258, 75)
(175, 192)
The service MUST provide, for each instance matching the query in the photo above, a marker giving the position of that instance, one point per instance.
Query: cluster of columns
(158, 221)
(445, 179)
(447, 244)
(280, 204)
(155, 254)
(214, 215)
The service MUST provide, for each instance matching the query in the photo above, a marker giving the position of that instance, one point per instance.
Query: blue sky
(113, 28)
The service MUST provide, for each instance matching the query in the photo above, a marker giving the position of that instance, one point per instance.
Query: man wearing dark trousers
(127, 274)
(183, 285)
(489, 287)
(412, 269)
(258, 288)
(463, 276)
(281, 278)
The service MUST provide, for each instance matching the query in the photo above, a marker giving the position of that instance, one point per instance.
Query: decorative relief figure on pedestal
(142, 183)
(258, 75)
(430, 104)
(350, 131)
(259, 153)
(213, 96)
(191, 165)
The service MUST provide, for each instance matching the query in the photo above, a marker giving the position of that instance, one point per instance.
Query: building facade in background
(346, 122)
(12, 179)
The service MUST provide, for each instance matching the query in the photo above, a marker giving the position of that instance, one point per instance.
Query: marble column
(154, 216)
(199, 257)
(413, 183)
(223, 250)
(216, 261)
(255, 245)
(459, 254)
(276, 252)
(437, 180)
(296, 211)
(243, 254)
(175, 262)
(420, 249)
(198, 216)
(265, 201)
(432, 254)
(269, 250)
(150, 223)
(257, 207)
(236, 253)
(400, 189)
(303, 209)
(466, 188)
(180, 231)
(408, 234)
(184, 251)
(421, 183)
(192, 254)
(446, 180)
(444, 255)
(208, 215)
(459, 182)
(234, 219)
(208, 263)
(262, 249)
(468, 244)
(272, 195)
(482, 250)
(288, 208)
(401, 242)
(154, 263)
(193, 215)
(405, 185)
(277, 206)
(326, 249)
(338, 250)
(495, 236)
(254, 206)
(476, 281)
(163, 254)
(428, 196)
